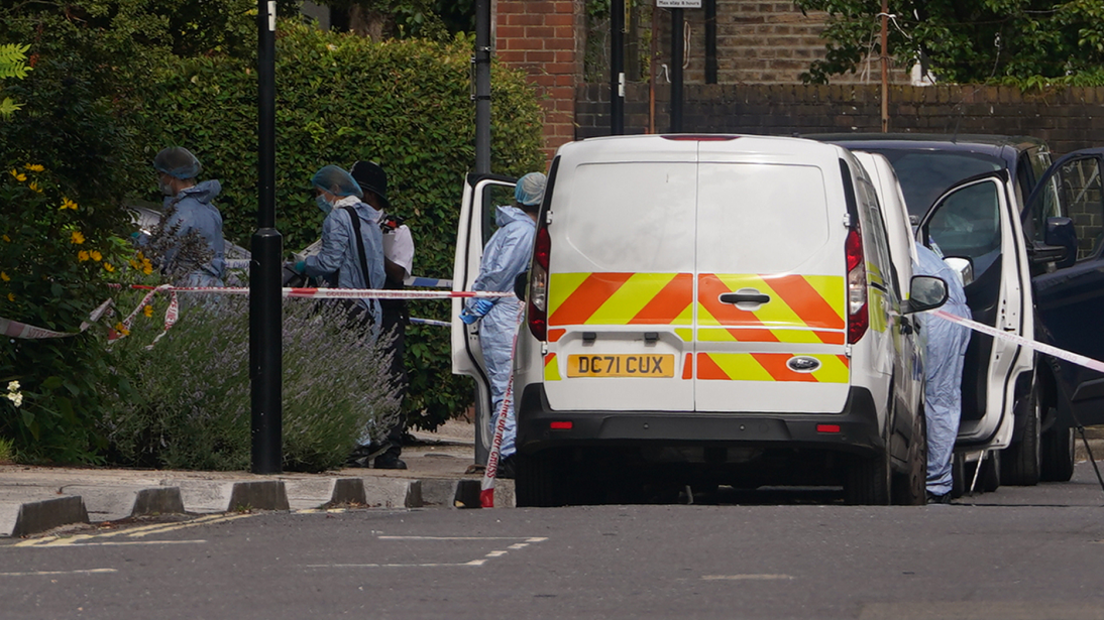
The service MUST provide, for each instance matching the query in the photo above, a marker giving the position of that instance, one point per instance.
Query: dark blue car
(952, 185)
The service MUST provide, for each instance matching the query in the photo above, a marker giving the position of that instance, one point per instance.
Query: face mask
(324, 204)
(165, 188)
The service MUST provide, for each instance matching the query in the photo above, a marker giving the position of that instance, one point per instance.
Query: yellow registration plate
(621, 365)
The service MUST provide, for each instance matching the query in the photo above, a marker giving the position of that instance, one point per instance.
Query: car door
(1069, 292)
(976, 220)
(482, 194)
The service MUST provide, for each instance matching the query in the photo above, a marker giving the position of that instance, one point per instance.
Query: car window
(968, 224)
(925, 175)
(1078, 185)
(495, 196)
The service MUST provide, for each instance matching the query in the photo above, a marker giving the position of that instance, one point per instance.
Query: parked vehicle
(1052, 234)
(708, 310)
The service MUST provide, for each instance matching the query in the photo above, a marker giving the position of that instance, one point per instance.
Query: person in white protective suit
(506, 255)
(945, 350)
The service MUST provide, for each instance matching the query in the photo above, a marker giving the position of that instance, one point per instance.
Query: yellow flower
(119, 327)
(108, 267)
(35, 187)
(19, 176)
(4, 277)
(6, 238)
(82, 256)
(11, 296)
(133, 264)
(95, 254)
(147, 266)
(34, 167)
(77, 238)
(67, 204)
(148, 310)
(140, 256)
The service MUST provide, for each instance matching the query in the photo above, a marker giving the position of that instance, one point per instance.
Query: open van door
(975, 220)
(482, 193)
(1064, 221)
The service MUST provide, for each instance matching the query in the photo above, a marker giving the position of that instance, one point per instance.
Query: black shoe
(389, 460)
(939, 499)
(506, 468)
(362, 455)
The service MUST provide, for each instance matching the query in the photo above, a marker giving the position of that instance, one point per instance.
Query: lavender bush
(185, 403)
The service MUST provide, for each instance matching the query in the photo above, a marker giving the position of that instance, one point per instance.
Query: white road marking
(87, 571)
(749, 577)
(478, 562)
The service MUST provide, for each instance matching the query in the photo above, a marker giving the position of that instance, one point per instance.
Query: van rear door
(621, 279)
(482, 193)
(770, 320)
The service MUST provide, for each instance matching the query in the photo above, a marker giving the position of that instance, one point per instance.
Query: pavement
(36, 499)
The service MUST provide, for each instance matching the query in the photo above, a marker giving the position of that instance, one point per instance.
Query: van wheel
(989, 479)
(537, 483)
(1058, 450)
(1022, 461)
(910, 487)
(866, 481)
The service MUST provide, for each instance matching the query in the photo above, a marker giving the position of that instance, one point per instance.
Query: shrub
(340, 98)
(185, 402)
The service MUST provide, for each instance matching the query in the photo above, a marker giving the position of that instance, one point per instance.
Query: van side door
(482, 194)
(1065, 215)
(976, 220)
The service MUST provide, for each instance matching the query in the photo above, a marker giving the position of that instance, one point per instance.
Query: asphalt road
(1017, 553)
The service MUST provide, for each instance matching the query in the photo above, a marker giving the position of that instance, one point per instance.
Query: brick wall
(1068, 119)
(545, 38)
(762, 42)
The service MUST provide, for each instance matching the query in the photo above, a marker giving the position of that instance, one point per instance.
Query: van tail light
(538, 284)
(858, 317)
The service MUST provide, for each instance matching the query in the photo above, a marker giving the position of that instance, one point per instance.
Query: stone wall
(1066, 119)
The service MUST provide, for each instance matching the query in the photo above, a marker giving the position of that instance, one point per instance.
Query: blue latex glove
(300, 267)
(476, 311)
(467, 317)
(481, 306)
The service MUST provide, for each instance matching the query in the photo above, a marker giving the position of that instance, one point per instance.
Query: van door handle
(736, 298)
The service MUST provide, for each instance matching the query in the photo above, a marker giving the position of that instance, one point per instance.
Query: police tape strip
(336, 293)
(15, 329)
(486, 487)
(1080, 360)
(417, 321)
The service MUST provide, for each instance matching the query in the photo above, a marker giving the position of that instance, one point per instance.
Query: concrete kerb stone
(212, 496)
(22, 518)
(111, 503)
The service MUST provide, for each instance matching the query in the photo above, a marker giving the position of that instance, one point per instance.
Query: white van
(708, 310)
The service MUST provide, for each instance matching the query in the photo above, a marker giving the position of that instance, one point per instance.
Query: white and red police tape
(486, 488)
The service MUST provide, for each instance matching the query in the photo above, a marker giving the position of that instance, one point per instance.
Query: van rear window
(636, 216)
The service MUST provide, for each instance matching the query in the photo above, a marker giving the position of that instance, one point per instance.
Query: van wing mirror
(926, 293)
(521, 285)
(963, 266)
(1060, 243)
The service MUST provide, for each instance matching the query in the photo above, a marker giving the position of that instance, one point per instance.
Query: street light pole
(265, 301)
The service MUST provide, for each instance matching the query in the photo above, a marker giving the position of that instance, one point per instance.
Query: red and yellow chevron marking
(802, 309)
(551, 368)
(769, 367)
(688, 367)
(620, 299)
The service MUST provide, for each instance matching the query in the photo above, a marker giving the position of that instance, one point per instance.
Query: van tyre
(1021, 462)
(989, 479)
(867, 481)
(909, 488)
(1058, 452)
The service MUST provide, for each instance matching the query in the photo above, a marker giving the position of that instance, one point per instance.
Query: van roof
(736, 143)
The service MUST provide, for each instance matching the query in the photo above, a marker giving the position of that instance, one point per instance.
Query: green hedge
(340, 98)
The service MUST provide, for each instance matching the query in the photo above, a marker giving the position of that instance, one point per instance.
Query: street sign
(678, 4)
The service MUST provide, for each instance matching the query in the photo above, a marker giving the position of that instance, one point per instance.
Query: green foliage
(7, 451)
(342, 98)
(12, 65)
(58, 255)
(185, 402)
(1011, 41)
